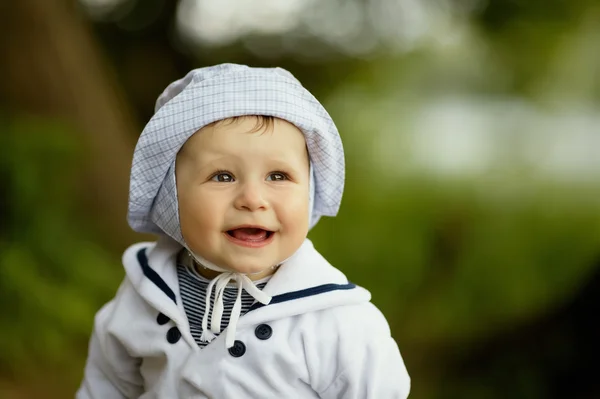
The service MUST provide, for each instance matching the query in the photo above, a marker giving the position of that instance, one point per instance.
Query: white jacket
(320, 337)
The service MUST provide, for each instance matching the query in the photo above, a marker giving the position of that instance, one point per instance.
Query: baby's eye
(222, 178)
(277, 176)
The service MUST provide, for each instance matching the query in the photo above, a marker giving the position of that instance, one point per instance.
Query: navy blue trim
(153, 276)
(289, 296)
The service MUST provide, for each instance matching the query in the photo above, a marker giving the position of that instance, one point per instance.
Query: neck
(210, 274)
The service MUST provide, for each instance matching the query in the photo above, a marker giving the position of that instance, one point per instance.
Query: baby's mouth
(250, 234)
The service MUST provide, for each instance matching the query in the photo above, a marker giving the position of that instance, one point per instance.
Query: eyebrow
(217, 163)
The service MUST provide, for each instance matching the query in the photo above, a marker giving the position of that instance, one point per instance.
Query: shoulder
(352, 350)
(364, 314)
(341, 328)
(353, 324)
(122, 305)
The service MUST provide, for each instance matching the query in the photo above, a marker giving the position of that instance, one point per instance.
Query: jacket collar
(305, 282)
(149, 266)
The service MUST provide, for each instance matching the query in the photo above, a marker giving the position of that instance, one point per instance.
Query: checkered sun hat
(210, 94)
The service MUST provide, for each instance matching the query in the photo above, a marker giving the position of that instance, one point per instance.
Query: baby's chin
(254, 271)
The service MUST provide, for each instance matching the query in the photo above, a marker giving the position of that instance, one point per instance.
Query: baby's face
(243, 195)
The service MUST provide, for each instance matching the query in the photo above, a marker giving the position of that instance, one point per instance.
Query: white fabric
(328, 345)
(206, 95)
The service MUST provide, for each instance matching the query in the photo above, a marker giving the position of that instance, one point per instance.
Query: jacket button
(173, 335)
(162, 319)
(238, 349)
(263, 331)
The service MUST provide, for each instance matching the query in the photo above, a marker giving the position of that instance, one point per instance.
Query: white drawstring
(219, 283)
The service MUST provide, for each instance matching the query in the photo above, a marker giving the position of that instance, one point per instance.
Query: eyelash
(278, 172)
(225, 172)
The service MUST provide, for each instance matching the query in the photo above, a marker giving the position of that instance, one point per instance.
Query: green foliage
(53, 277)
(449, 265)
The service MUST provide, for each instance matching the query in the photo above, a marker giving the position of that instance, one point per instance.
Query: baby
(233, 301)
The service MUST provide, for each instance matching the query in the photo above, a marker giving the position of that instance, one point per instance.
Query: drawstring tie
(219, 283)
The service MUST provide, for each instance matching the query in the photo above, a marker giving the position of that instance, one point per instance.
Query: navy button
(162, 319)
(238, 349)
(263, 331)
(173, 335)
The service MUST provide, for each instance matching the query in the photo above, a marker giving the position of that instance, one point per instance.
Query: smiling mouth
(250, 236)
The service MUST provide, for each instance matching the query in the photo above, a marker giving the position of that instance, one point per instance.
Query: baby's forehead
(261, 121)
(264, 135)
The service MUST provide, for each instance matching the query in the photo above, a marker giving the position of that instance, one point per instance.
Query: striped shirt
(192, 288)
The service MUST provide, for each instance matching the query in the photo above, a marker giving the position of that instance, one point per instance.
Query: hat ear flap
(313, 218)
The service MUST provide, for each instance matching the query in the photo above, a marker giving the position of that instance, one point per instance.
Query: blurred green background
(472, 210)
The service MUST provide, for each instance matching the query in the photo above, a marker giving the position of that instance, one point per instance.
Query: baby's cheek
(195, 210)
(296, 219)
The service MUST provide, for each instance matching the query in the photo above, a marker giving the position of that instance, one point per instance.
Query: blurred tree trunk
(53, 67)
